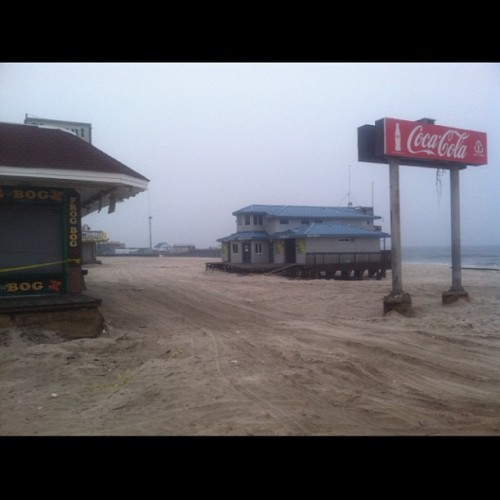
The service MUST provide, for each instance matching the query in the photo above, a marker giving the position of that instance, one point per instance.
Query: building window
(305, 221)
(235, 247)
(257, 220)
(238, 220)
(284, 221)
(258, 247)
(247, 220)
(318, 221)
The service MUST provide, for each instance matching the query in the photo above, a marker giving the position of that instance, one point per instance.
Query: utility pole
(150, 235)
(349, 203)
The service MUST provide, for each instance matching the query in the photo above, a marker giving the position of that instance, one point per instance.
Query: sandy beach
(188, 352)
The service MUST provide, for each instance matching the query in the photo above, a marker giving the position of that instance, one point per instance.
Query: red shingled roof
(30, 146)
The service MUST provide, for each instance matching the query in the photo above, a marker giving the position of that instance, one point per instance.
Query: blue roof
(246, 235)
(306, 211)
(317, 230)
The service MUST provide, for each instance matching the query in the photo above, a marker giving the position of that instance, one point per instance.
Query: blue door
(247, 252)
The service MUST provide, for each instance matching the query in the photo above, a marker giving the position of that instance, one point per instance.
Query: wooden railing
(382, 258)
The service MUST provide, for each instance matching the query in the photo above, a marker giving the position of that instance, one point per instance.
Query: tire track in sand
(284, 418)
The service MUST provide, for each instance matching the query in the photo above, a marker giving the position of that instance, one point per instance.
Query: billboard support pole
(456, 291)
(397, 282)
(397, 300)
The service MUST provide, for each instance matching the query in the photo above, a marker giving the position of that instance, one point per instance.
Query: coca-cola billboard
(435, 143)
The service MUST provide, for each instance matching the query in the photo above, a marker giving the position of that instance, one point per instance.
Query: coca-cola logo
(450, 144)
(478, 148)
(428, 143)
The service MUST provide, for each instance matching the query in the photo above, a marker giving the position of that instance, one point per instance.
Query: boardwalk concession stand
(50, 179)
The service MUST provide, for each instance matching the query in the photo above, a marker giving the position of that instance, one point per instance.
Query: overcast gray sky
(215, 137)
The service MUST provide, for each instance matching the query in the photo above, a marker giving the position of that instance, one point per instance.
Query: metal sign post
(456, 291)
(397, 300)
(397, 281)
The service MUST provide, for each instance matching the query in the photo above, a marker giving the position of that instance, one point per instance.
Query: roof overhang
(97, 189)
(328, 231)
(246, 235)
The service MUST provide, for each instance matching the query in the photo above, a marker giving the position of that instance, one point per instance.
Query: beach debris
(176, 353)
(53, 395)
(122, 378)
(69, 358)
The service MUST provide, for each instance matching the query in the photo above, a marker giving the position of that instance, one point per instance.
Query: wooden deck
(243, 268)
(319, 266)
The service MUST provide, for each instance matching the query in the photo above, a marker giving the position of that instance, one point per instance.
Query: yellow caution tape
(32, 266)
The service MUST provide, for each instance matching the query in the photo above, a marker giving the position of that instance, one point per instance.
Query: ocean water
(472, 255)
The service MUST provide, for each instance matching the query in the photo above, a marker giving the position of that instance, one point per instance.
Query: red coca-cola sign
(422, 140)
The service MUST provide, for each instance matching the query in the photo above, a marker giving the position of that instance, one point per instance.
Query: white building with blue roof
(282, 234)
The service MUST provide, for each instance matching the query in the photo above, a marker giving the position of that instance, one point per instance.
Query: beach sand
(191, 352)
